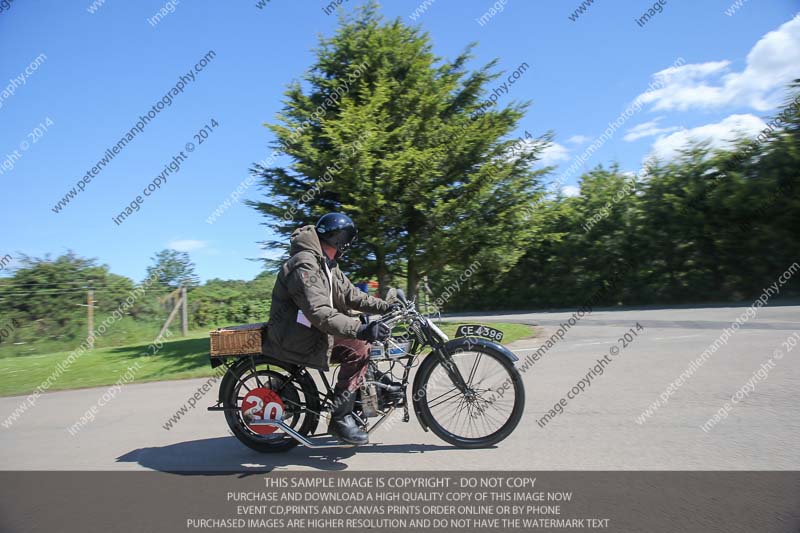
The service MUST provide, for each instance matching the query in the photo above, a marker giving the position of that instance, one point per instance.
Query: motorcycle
(466, 390)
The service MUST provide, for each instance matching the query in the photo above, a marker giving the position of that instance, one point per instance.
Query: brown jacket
(303, 285)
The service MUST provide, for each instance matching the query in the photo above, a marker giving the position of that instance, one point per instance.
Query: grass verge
(181, 358)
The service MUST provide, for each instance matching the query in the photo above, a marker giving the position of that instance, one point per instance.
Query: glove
(374, 331)
(397, 306)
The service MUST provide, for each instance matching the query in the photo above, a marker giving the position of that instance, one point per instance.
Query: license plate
(477, 330)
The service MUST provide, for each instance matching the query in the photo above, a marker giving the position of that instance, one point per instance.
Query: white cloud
(553, 153)
(578, 140)
(648, 129)
(771, 64)
(720, 135)
(571, 190)
(186, 245)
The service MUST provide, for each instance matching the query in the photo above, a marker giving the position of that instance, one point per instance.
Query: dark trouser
(352, 356)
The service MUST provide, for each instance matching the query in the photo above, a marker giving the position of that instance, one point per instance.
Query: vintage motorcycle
(466, 390)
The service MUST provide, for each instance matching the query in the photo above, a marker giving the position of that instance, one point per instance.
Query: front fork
(453, 373)
(452, 370)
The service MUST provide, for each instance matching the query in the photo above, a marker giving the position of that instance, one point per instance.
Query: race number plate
(477, 330)
(262, 404)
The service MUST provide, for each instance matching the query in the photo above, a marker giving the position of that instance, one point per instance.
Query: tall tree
(173, 269)
(403, 142)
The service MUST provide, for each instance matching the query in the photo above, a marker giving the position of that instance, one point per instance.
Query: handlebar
(407, 306)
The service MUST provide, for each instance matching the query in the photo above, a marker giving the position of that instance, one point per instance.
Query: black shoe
(343, 426)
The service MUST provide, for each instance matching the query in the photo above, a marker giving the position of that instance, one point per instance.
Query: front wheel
(471, 397)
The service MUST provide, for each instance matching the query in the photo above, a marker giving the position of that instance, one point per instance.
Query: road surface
(598, 429)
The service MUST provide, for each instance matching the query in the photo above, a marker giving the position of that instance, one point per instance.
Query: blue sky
(96, 73)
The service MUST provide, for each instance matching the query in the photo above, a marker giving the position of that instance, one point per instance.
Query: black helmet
(337, 230)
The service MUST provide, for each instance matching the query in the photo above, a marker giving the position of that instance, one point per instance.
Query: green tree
(403, 142)
(48, 296)
(172, 269)
(708, 225)
(227, 302)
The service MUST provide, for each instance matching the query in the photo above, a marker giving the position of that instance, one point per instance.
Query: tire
(300, 397)
(432, 376)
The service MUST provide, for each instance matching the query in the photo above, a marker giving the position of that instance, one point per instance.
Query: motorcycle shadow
(227, 456)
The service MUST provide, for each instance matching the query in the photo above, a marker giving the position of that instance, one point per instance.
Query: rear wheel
(263, 388)
(481, 411)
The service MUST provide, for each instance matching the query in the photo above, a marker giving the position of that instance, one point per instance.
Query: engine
(380, 391)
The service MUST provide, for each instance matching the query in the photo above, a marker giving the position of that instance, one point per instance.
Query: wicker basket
(237, 340)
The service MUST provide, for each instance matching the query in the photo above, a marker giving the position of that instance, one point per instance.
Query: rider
(310, 323)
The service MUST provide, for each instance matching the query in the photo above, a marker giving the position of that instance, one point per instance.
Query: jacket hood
(305, 239)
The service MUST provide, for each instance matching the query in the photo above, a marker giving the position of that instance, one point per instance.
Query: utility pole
(180, 305)
(172, 314)
(184, 312)
(90, 313)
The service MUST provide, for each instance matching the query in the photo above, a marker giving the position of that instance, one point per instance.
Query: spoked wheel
(264, 389)
(482, 411)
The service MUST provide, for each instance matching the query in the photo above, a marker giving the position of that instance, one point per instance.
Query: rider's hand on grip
(374, 331)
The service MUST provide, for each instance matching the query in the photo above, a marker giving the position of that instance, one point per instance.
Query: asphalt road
(598, 430)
